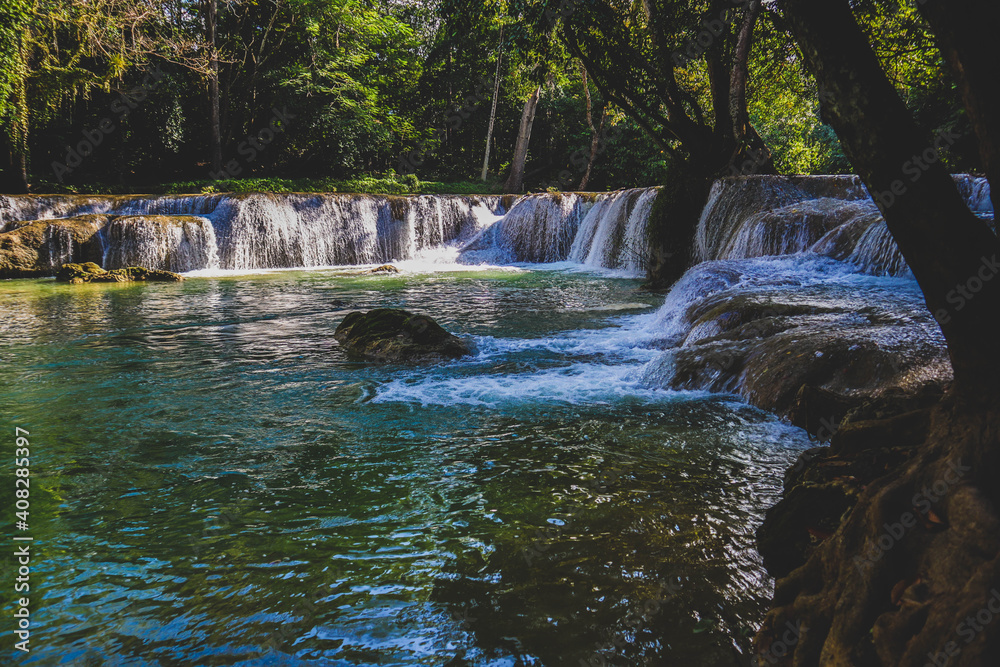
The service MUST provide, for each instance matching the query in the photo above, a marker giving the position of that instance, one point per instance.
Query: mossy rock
(393, 335)
(385, 268)
(89, 272)
(36, 248)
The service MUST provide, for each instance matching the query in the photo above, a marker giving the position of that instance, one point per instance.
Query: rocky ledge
(392, 335)
(89, 272)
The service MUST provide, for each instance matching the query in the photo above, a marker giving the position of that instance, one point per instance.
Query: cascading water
(763, 216)
(595, 230)
(613, 235)
(771, 308)
(251, 231)
(745, 217)
(538, 228)
(174, 243)
(554, 446)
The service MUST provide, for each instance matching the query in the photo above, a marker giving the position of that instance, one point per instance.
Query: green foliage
(367, 82)
(14, 18)
(388, 184)
(784, 107)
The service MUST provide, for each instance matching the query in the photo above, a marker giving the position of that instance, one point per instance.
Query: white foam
(576, 384)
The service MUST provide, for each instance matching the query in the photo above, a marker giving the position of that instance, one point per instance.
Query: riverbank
(800, 304)
(388, 184)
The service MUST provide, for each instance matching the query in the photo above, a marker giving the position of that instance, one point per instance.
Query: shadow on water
(214, 484)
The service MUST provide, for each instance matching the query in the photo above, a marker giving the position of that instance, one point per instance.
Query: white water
(179, 244)
(613, 235)
(263, 231)
(818, 241)
(745, 217)
(833, 216)
(537, 229)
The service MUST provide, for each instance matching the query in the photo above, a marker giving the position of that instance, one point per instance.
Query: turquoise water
(213, 483)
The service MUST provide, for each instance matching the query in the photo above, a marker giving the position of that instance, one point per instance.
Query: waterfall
(538, 229)
(595, 230)
(250, 231)
(761, 216)
(976, 191)
(800, 283)
(174, 243)
(732, 201)
(745, 218)
(613, 235)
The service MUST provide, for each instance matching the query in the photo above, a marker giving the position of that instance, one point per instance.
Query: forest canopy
(121, 95)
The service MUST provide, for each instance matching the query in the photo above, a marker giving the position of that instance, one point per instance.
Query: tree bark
(750, 148)
(14, 172)
(950, 251)
(595, 132)
(14, 179)
(215, 144)
(515, 182)
(493, 110)
(14, 139)
(860, 601)
(966, 35)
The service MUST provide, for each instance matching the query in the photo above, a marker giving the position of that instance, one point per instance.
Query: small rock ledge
(88, 272)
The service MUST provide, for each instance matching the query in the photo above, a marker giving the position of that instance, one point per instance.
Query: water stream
(214, 483)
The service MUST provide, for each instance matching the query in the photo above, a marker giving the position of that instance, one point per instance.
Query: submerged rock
(89, 272)
(385, 268)
(392, 335)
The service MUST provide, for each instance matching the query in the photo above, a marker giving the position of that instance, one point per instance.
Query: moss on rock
(89, 272)
(392, 335)
(36, 248)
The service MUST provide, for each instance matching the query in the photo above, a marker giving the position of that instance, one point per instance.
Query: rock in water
(37, 248)
(88, 272)
(385, 268)
(392, 335)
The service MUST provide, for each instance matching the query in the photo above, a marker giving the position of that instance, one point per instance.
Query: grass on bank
(388, 184)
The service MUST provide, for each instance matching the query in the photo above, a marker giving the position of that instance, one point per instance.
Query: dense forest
(398, 94)
(769, 292)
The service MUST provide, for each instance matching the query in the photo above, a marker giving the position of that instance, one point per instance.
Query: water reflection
(216, 484)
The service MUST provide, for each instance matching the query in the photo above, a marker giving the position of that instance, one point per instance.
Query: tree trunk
(751, 151)
(14, 172)
(966, 35)
(858, 599)
(215, 143)
(673, 221)
(14, 137)
(950, 251)
(515, 182)
(493, 110)
(595, 132)
(14, 178)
